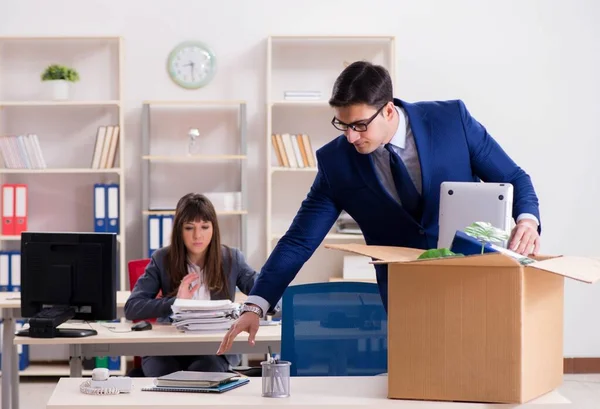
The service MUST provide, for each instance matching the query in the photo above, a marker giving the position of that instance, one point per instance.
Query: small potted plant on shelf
(59, 77)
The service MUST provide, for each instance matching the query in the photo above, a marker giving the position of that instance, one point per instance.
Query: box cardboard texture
(481, 328)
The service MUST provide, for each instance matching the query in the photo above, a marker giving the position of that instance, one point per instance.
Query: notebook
(194, 379)
(224, 387)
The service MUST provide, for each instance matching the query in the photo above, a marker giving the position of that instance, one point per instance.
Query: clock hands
(191, 64)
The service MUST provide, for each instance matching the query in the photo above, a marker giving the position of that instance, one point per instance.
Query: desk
(116, 339)
(10, 303)
(306, 392)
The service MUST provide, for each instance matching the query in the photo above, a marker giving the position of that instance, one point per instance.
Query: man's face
(366, 127)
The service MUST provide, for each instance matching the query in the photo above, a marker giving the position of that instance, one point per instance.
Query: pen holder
(276, 379)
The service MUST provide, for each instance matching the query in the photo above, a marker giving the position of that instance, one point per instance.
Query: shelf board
(196, 103)
(59, 103)
(330, 236)
(62, 170)
(59, 369)
(18, 238)
(288, 102)
(191, 158)
(352, 37)
(56, 38)
(172, 212)
(284, 169)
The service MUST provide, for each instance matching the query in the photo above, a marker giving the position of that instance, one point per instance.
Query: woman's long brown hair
(191, 208)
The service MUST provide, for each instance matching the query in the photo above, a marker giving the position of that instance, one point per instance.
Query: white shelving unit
(61, 195)
(220, 158)
(308, 63)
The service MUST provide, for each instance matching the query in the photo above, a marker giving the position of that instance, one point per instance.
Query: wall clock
(191, 64)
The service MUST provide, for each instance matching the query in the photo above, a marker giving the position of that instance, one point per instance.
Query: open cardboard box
(480, 328)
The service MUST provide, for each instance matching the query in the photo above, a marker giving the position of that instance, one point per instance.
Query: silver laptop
(463, 203)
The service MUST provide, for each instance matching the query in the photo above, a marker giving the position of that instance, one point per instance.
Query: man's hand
(525, 238)
(248, 322)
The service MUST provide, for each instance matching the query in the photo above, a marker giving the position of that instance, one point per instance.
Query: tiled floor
(582, 390)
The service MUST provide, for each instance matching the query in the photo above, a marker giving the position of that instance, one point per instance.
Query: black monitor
(67, 276)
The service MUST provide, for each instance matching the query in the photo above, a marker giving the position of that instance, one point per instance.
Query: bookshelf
(48, 144)
(216, 164)
(307, 66)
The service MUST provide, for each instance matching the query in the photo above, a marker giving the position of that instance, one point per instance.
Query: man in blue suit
(385, 171)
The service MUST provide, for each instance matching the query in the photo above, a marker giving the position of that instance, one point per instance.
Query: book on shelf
(22, 152)
(14, 209)
(293, 150)
(105, 150)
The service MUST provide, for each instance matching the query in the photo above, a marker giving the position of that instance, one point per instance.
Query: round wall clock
(191, 65)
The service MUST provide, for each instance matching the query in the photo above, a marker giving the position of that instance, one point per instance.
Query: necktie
(409, 196)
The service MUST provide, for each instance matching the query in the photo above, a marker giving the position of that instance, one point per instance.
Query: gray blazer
(142, 303)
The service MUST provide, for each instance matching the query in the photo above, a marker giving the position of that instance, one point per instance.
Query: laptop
(463, 203)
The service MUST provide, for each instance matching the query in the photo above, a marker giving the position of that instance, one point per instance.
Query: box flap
(387, 254)
(392, 254)
(582, 269)
(477, 260)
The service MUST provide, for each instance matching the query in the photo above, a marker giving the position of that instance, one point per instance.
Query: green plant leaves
(438, 253)
(60, 72)
(486, 233)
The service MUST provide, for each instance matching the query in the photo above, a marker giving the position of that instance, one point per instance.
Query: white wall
(527, 70)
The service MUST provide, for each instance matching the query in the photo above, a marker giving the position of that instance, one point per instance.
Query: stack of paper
(204, 315)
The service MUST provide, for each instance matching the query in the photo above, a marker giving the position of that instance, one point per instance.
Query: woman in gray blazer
(194, 266)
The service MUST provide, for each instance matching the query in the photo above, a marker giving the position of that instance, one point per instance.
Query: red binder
(20, 224)
(8, 210)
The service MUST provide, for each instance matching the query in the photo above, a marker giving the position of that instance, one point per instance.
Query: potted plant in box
(59, 77)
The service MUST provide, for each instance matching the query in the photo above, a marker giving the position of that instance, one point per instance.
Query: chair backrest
(136, 269)
(334, 329)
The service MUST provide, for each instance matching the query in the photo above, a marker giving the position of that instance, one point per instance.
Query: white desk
(10, 303)
(116, 339)
(306, 392)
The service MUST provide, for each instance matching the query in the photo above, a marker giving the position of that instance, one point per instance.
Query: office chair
(135, 269)
(334, 329)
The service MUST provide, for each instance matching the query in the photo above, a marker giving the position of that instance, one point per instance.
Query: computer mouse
(141, 326)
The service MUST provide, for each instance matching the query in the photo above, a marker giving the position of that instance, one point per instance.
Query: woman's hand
(188, 288)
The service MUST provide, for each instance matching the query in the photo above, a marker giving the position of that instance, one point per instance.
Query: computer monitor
(67, 276)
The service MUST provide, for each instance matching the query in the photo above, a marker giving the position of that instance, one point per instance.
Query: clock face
(191, 65)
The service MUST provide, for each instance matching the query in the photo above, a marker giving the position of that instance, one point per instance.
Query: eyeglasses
(358, 126)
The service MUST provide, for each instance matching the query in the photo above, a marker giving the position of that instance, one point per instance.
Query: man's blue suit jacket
(452, 146)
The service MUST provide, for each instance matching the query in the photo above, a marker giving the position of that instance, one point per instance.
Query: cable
(111, 328)
(86, 387)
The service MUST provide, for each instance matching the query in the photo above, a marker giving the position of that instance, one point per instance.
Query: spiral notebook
(224, 387)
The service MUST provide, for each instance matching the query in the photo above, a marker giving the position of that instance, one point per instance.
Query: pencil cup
(276, 379)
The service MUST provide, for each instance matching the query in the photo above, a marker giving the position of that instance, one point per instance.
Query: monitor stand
(44, 323)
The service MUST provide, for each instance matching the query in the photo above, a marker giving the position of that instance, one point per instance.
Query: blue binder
(154, 233)
(467, 245)
(100, 201)
(112, 208)
(15, 271)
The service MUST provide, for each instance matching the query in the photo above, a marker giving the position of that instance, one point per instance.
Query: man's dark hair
(362, 83)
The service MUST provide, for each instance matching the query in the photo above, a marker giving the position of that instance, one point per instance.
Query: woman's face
(197, 236)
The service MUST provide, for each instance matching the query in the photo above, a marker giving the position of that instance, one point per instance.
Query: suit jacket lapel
(421, 130)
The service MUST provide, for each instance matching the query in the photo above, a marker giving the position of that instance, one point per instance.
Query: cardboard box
(481, 328)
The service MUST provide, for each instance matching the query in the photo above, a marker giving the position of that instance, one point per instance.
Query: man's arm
(313, 221)
(491, 163)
